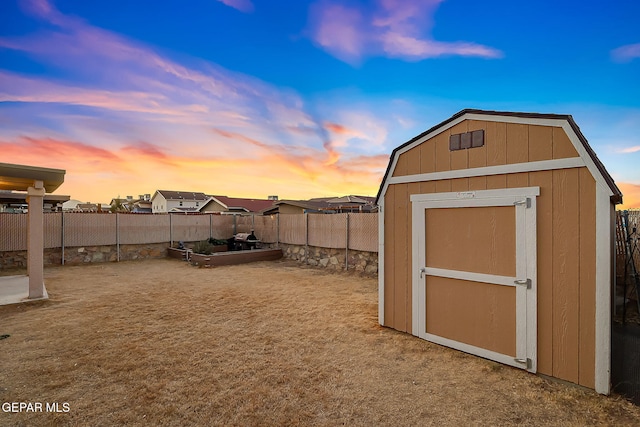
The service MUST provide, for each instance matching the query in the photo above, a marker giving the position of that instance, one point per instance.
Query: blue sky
(250, 98)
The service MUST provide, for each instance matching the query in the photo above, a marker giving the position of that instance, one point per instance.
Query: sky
(300, 99)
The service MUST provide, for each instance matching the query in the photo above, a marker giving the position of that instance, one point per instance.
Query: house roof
(248, 205)
(616, 196)
(359, 200)
(185, 209)
(328, 203)
(182, 195)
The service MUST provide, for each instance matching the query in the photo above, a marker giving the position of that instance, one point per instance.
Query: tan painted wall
(565, 232)
(213, 207)
(290, 209)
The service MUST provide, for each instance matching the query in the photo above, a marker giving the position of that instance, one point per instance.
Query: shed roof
(616, 196)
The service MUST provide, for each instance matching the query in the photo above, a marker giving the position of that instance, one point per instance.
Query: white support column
(35, 240)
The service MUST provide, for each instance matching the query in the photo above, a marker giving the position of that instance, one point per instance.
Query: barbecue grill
(245, 241)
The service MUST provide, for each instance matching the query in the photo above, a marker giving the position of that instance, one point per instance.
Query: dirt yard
(163, 343)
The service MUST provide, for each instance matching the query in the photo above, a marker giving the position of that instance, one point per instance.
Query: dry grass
(163, 343)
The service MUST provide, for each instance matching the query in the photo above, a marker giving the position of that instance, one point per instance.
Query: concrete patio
(15, 289)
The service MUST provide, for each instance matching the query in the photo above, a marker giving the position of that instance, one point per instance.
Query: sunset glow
(250, 98)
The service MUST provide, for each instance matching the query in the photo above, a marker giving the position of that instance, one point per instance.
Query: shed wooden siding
(566, 221)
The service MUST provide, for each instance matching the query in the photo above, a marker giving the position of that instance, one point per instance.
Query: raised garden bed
(179, 253)
(235, 257)
(186, 254)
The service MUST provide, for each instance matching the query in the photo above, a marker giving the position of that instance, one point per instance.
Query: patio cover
(36, 181)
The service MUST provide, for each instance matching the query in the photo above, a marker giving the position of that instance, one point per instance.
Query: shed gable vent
(462, 141)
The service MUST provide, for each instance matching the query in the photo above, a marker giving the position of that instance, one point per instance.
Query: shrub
(203, 247)
(217, 242)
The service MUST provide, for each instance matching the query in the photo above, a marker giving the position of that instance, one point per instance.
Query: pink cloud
(57, 153)
(628, 150)
(340, 129)
(147, 111)
(401, 46)
(626, 53)
(242, 5)
(395, 28)
(310, 163)
(338, 30)
(149, 151)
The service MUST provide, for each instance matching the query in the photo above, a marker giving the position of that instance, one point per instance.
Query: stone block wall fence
(331, 241)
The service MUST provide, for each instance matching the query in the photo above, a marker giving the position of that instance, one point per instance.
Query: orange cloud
(631, 195)
(257, 170)
(149, 119)
(55, 153)
(326, 169)
(336, 128)
(147, 151)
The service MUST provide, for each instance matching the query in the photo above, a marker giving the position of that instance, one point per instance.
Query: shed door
(474, 279)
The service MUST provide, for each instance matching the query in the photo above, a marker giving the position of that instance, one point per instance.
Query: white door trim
(524, 201)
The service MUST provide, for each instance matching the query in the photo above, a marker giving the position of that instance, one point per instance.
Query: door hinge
(526, 361)
(526, 202)
(524, 282)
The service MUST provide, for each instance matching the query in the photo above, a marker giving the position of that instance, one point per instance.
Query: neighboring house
(164, 201)
(119, 205)
(71, 205)
(228, 205)
(143, 204)
(88, 207)
(140, 205)
(323, 205)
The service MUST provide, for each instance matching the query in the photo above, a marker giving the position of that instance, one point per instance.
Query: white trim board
(469, 196)
(471, 349)
(471, 277)
(604, 237)
(543, 165)
(381, 262)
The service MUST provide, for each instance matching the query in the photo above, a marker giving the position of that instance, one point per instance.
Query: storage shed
(496, 238)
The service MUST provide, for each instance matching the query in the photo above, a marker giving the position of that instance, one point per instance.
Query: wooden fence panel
(143, 228)
(222, 226)
(73, 229)
(190, 228)
(244, 223)
(52, 223)
(13, 232)
(292, 229)
(328, 230)
(363, 232)
(266, 228)
(89, 229)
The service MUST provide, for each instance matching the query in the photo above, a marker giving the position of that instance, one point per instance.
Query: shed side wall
(565, 227)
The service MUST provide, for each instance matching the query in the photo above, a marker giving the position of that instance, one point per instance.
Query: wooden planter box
(186, 254)
(236, 257)
(179, 253)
